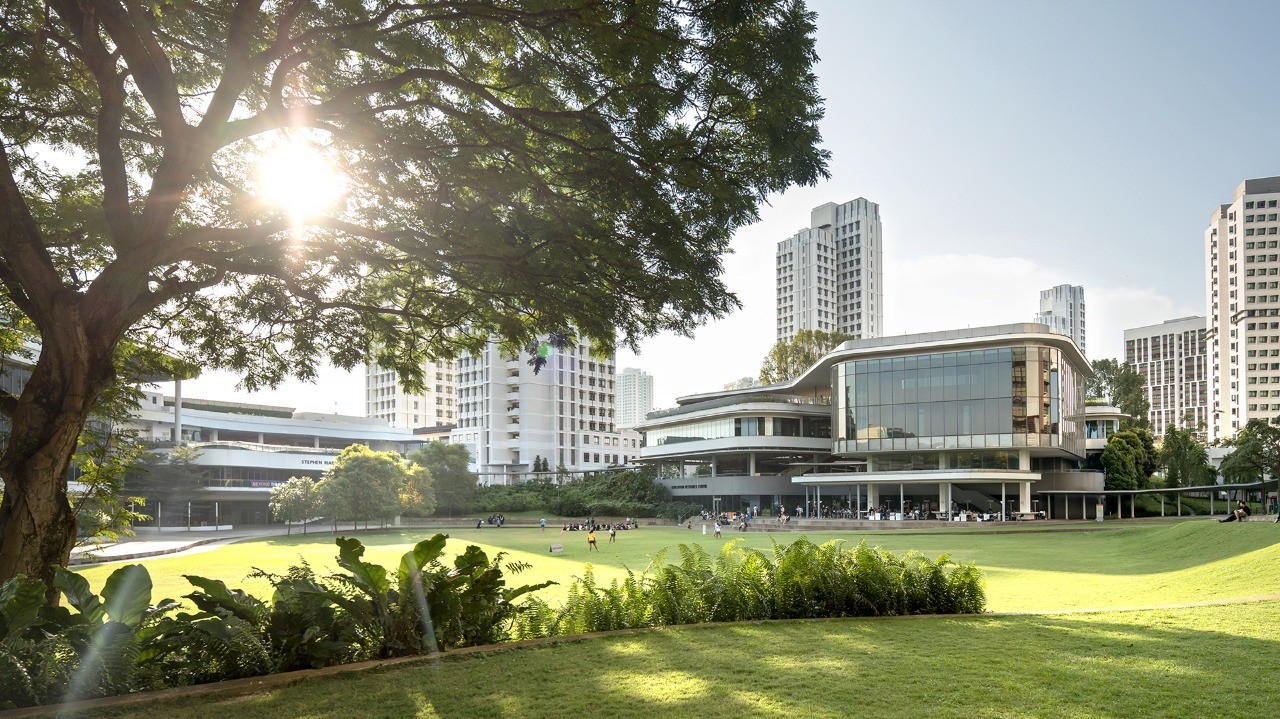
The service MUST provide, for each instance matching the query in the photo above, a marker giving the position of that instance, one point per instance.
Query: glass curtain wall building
(925, 425)
(1007, 397)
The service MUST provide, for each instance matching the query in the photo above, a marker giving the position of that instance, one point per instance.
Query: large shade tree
(505, 168)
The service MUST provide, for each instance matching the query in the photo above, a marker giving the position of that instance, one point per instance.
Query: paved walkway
(155, 543)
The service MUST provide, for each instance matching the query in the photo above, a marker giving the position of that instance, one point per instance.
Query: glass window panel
(951, 418)
(936, 425)
(898, 387)
(991, 381)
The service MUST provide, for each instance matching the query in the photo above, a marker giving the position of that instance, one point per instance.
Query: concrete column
(316, 441)
(213, 435)
(1003, 503)
(902, 492)
(944, 497)
(1024, 460)
(1024, 496)
(873, 495)
(752, 469)
(177, 411)
(262, 438)
(1133, 506)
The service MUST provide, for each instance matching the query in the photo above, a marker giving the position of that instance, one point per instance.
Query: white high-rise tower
(635, 396)
(1062, 308)
(1242, 268)
(1173, 361)
(830, 275)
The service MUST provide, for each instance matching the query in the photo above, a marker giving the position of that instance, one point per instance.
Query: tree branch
(110, 117)
(25, 265)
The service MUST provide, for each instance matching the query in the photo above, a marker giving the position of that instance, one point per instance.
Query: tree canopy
(1121, 386)
(363, 484)
(1129, 459)
(1255, 453)
(1185, 458)
(447, 464)
(789, 359)
(500, 169)
(295, 501)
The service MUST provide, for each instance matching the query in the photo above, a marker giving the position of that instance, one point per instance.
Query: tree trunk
(37, 525)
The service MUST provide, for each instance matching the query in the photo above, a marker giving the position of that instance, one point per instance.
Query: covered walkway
(1064, 504)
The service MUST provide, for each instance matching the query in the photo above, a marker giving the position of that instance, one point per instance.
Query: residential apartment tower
(1173, 358)
(1242, 284)
(830, 275)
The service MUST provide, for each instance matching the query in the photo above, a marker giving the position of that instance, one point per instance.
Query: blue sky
(1011, 146)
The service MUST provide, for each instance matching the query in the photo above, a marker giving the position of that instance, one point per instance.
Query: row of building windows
(1249, 205)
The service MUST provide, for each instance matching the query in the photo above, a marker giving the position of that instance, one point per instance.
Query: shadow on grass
(1159, 663)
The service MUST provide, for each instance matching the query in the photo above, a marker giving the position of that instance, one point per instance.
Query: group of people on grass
(496, 520)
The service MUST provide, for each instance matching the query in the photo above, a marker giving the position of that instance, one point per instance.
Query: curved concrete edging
(251, 685)
(87, 559)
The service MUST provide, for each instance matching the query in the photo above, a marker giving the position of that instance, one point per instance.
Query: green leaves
(796, 581)
(127, 594)
(20, 604)
(788, 360)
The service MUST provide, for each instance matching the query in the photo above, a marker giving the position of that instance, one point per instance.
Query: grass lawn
(1128, 566)
(1205, 661)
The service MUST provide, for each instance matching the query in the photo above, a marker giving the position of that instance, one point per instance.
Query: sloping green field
(1132, 565)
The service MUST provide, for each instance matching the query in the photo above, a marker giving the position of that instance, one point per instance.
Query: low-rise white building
(246, 449)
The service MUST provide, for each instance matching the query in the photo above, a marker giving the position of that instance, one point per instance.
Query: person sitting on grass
(1242, 511)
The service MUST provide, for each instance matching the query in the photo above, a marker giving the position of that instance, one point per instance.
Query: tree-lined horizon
(505, 169)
